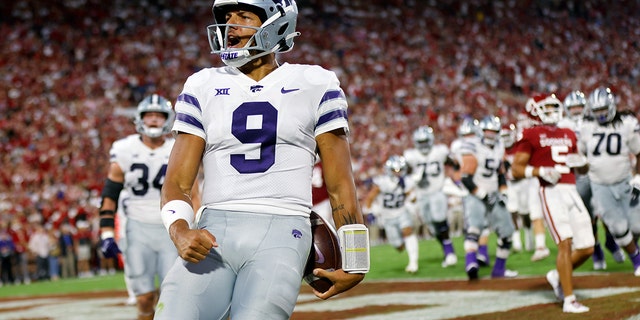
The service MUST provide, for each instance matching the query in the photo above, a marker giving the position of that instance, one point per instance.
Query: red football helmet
(547, 108)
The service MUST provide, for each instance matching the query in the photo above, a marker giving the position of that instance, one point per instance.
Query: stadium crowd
(70, 70)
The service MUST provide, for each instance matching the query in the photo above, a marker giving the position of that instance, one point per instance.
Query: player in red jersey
(549, 152)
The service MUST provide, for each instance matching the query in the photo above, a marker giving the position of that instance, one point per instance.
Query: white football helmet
(547, 108)
(396, 166)
(154, 103)
(274, 35)
(423, 139)
(492, 124)
(600, 99)
(572, 102)
(468, 126)
(508, 135)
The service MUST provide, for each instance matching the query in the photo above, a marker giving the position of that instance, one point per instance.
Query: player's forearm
(342, 194)
(517, 170)
(174, 192)
(182, 169)
(346, 212)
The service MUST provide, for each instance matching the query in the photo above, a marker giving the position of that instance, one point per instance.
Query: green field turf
(386, 263)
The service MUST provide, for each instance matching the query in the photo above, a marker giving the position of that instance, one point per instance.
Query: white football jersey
(455, 147)
(608, 149)
(574, 125)
(260, 136)
(489, 161)
(149, 166)
(393, 195)
(427, 167)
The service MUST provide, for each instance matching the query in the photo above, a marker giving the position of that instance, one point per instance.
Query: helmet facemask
(508, 135)
(490, 127)
(423, 139)
(602, 99)
(154, 103)
(274, 35)
(396, 166)
(575, 105)
(547, 108)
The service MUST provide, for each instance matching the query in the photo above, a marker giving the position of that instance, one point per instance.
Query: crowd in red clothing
(71, 69)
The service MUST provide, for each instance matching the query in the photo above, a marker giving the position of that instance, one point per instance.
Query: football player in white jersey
(575, 111)
(517, 192)
(138, 164)
(469, 128)
(608, 140)
(255, 125)
(388, 198)
(483, 175)
(427, 164)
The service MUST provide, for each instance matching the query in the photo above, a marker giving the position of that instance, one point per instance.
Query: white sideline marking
(446, 304)
(70, 309)
(442, 304)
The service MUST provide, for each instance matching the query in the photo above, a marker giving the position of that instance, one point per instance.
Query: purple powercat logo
(296, 233)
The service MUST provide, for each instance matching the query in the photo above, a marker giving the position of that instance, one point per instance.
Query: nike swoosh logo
(319, 255)
(172, 211)
(285, 91)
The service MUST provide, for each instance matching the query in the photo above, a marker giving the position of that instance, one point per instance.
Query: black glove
(635, 197)
(493, 199)
(502, 199)
(635, 189)
(109, 248)
(490, 200)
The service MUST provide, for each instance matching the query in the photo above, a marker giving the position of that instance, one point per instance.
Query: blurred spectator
(6, 253)
(54, 253)
(39, 245)
(83, 249)
(67, 252)
(21, 242)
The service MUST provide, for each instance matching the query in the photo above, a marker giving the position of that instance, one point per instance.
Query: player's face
(397, 173)
(238, 37)
(551, 109)
(600, 113)
(576, 110)
(490, 135)
(154, 119)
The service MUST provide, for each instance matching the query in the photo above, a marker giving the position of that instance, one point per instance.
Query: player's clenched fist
(193, 244)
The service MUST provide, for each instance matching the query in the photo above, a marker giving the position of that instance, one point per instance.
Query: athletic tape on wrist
(175, 210)
(354, 247)
(528, 172)
(106, 235)
(480, 193)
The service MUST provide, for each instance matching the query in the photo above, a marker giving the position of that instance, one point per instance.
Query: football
(325, 252)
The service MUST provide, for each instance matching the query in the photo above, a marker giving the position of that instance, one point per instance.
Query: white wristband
(175, 210)
(106, 234)
(528, 171)
(480, 193)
